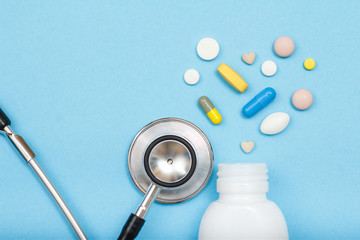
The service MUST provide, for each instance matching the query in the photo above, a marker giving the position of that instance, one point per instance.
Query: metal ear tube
(29, 157)
(135, 221)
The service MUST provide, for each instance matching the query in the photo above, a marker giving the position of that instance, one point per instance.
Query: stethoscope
(171, 160)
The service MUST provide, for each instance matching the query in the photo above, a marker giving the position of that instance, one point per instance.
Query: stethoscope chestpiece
(171, 160)
(173, 154)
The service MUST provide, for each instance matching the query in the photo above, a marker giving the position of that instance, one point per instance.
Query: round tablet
(302, 99)
(284, 46)
(268, 68)
(208, 48)
(309, 64)
(191, 76)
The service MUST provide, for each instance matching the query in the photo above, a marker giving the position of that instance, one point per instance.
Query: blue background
(80, 78)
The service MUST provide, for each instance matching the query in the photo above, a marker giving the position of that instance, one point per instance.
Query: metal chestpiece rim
(179, 131)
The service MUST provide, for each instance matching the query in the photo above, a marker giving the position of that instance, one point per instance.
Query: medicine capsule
(262, 99)
(232, 77)
(210, 110)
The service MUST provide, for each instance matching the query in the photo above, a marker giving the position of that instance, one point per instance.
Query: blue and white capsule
(261, 100)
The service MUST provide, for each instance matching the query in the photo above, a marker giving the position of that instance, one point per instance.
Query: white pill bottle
(243, 210)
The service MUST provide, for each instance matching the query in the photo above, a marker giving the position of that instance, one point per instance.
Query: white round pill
(208, 48)
(268, 68)
(191, 76)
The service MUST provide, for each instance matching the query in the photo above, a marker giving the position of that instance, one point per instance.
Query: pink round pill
(302, 99)
(284, 46)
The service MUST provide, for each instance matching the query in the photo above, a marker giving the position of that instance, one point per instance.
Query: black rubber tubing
(131, 228)
(4, 120)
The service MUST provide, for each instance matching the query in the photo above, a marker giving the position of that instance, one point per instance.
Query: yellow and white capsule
(210, 110)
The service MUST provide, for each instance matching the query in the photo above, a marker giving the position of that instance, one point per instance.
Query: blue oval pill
(262, 99)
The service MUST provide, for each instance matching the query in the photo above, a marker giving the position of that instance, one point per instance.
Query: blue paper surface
(80, 78)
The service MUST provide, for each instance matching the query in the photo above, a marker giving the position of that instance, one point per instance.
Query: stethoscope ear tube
(29, 157)
(135, 221)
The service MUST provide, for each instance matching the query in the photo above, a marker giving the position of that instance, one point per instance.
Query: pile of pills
(302, 99)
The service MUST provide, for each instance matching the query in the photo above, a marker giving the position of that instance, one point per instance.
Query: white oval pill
(191, 76)
(208, 48)
(275, 123)
(268, 68)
